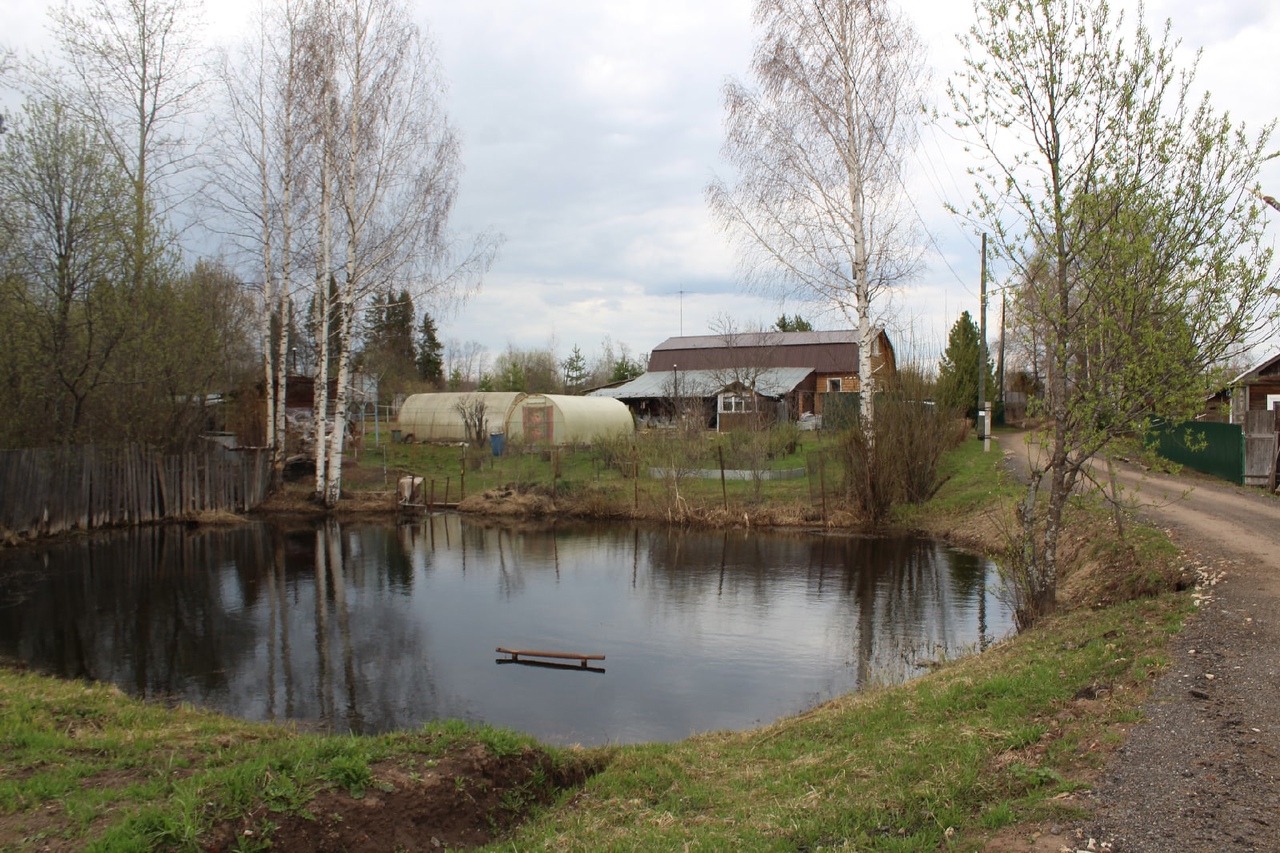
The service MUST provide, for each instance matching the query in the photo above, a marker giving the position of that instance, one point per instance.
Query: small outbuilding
(554, 419)
(1254, 390)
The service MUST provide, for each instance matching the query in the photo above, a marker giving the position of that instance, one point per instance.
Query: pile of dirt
(464, 800)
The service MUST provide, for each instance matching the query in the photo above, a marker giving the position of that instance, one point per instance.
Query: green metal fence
(1212, 448)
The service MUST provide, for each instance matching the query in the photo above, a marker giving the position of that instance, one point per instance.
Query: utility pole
(984, 428)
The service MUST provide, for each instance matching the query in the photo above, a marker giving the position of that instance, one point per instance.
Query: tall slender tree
(1128, 207)
(817, 146)
(135, 65)
(430, 352)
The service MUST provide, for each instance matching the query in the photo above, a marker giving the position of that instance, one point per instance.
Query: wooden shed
(1255, 390)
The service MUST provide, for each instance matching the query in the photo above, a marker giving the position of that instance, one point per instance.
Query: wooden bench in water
(516, 654)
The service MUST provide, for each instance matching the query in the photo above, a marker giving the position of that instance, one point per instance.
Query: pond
(369, 627)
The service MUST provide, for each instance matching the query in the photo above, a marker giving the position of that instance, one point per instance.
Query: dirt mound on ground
(461, 801)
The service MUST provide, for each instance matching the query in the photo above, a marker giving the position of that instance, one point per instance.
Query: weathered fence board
(44, 491)
(1260, 448)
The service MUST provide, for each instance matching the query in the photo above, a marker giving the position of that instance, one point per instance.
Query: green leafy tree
(63, 207)
(430, 352)
(531, 371)
(958, 370)
(1127, 207)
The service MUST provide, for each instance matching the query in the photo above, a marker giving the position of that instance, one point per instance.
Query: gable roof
(1257, 370)
(760, 339)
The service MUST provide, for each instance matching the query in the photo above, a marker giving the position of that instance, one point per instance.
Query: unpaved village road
(1202, 772)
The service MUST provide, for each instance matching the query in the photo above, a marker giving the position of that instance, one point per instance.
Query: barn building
(741, 380)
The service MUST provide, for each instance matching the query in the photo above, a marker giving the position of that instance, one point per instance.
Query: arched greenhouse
(553, 419)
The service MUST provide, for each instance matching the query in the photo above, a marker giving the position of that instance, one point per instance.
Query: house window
(735, 404)
(833, 385)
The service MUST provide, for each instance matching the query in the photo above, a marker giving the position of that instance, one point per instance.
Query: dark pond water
(368, 628)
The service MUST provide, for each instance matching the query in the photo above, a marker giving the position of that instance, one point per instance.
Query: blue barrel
(498, 442)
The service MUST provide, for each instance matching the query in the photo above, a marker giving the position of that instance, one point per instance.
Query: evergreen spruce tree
(430, 352)
(575, 371)
(793, 324)
(958, 371)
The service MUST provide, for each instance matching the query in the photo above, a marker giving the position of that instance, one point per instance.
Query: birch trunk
(289, 144)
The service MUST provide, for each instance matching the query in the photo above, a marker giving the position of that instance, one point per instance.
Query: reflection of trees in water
(220, 617)
(144, 608)
(368, 666)
(329, 623)
(898, 595)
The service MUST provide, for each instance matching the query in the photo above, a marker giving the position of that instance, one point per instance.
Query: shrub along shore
(992, 743)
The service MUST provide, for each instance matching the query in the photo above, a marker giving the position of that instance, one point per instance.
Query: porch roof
(768, 382)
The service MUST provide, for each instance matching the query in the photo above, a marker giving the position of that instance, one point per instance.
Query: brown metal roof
(759, 339)
(834, 352)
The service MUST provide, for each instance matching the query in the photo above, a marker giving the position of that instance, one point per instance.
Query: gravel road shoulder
(1202, 772)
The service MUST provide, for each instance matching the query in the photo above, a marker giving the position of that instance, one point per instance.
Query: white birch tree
(258, 160)
(393, 157)
(817, 146)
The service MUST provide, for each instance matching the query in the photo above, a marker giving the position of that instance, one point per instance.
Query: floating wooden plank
(516, 654)
(546, 664)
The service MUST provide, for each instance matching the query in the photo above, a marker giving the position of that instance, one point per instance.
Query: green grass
(603, 474)
(85, 765)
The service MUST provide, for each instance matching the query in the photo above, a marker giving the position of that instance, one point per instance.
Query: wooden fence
(43, 492)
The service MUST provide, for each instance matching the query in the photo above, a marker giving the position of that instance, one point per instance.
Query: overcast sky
(591, 127)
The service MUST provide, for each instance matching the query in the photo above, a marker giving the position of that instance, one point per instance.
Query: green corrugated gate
(1213, 448)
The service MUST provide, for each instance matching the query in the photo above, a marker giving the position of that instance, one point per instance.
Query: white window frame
(834, 385)
(736, 404)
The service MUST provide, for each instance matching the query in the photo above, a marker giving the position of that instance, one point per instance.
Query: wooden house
(748, 379)
(1255, 390)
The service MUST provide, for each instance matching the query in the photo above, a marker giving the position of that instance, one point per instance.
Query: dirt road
(1202, 773)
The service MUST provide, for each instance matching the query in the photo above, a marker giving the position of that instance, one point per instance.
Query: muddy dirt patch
(460, 801)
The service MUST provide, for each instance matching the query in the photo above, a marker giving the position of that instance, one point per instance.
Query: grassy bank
(979, 745)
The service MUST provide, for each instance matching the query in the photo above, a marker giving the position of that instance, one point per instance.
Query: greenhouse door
(538, 423)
